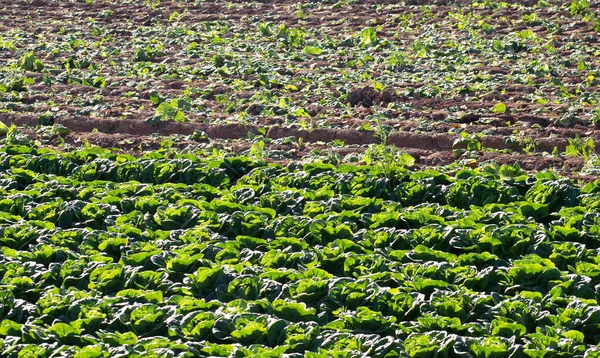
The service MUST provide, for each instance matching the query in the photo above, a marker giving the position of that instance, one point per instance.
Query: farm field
(299, 179)
(521, 78)
(170, 255)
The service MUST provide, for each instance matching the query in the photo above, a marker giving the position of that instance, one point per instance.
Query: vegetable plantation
(299, 179)
(169, 255)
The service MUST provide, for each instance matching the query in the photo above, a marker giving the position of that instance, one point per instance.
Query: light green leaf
(311, 50)
(95, 351)
(499, 108)
(368, 37)
(63, 330)
(10, 328)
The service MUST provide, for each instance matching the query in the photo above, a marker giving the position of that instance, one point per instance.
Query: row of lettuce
(108, 255)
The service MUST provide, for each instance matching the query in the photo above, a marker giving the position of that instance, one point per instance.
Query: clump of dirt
(368, 96)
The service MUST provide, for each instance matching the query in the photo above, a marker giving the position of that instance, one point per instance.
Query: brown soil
(427, 150)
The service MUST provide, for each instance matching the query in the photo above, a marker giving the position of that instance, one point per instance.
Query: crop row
(309, 64)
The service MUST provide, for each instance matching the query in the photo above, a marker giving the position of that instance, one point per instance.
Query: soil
(120, 114)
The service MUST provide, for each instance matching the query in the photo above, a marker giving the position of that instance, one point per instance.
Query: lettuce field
(299, 179)
(170, 255)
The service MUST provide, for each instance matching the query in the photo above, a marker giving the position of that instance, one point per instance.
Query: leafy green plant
(147, 53)
(592, 165)
(171, 110)
(581, 147)
(368, 37)
(579, 7)
(153, 4)
(312, 50)
(31, 63)
(199, 136)
(3, 128)
(499, 108)
(391, 161)
(257, 150)
(529, 145)
(6, 45)
(570, 117)
(595, 116)
(467, 142)
(265, 29)
(292, 37)
(397, 60)
(176, 16)
(15, 82)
